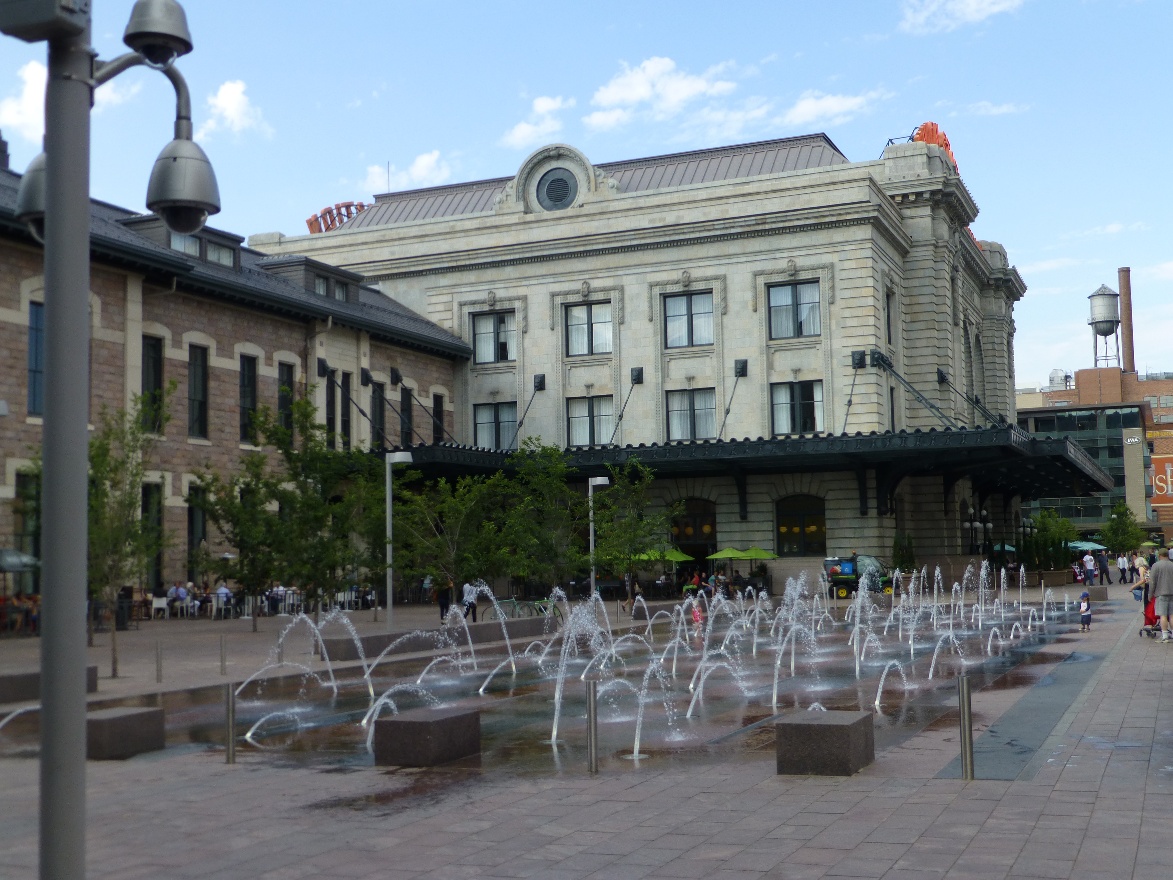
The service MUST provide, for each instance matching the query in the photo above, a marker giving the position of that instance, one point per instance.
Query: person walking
(1161, 581)
(469, 596)
(1089, 568)
(444, 599)
(1102, 565)
(1122, 567)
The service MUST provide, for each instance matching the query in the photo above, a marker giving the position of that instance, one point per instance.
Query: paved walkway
(1095, 800)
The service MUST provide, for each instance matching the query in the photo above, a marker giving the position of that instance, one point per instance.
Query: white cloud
(541, 125)
(113, 93)
(721, 123)
(657, 86)
(935, 16)
(1109, 229)
(816, 107)
(232, 110)
(1161, 271)
(605, 120)
(427, 169)
(988, 108)
(25, 113)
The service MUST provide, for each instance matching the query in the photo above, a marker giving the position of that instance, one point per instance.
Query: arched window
(695, 530)
(802, 526)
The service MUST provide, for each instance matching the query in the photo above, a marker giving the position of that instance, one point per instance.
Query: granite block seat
(427, 737)
(833, 743)
(117, 734)
(19, 686)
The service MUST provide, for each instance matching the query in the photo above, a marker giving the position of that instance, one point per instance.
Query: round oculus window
(557, 189)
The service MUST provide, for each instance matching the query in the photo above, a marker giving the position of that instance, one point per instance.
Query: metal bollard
(230, 723)
(223, 656)
(592, 726)
(966, 712)
(158, 662)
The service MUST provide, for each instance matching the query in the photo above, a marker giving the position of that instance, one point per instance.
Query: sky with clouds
(1057, 111)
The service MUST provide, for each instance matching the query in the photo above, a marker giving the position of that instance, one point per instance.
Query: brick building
(1115, 388)
(232, 328)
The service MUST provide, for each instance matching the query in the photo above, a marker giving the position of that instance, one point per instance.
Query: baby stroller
(1152, 626)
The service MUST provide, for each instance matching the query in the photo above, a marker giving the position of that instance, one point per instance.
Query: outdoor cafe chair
(159, 603)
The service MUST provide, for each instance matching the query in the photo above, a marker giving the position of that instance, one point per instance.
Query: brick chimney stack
(1128, 357)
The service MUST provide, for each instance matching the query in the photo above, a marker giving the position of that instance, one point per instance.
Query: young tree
(1122, 533)
(122, 542)
(629, 526)
(546, 517)
(242, 507)
(1052, 536)
(449, 528)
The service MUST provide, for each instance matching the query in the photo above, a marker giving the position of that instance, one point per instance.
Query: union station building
(813, 354)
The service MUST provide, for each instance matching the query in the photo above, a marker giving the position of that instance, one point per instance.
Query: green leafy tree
(1122, 532)
(545, 520)
(449, 528)
(631, 528)
(243, 509)
(1052, 538)
(122, 542)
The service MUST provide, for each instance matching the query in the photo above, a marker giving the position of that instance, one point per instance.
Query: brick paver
(1096, 800)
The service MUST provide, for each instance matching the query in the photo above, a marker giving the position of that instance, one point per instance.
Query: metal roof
(635, 175)
(111, 241)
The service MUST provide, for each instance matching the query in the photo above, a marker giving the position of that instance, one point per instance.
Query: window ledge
(248, 447)
(198, 441)
(495, 367)
(34, 420)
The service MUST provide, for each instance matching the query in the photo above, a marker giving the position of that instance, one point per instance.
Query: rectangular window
(496, 425)
(152, 384)
(688, 320)
(197, 531)
(340, 290)
(197, 391)
(331, 410)
(26, 529)
(794, 310)
(378, 415)
(248, 397)
(185, 244)
(36, 400)
(589, 420)
(152, 515)
(218, 253)
(285, 382)
(344, 422)
(588, 329)
(692, 414)
(437, 418)
(797, 407)
(405, 419)
(494, 337)
(321, 285)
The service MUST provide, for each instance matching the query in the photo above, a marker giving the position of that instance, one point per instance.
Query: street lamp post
(391, 459)
(54, 201)
(591, 483)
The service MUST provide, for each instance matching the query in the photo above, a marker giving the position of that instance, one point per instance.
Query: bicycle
(509, 609)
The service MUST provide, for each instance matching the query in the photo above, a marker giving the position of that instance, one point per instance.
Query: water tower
(1105, 324)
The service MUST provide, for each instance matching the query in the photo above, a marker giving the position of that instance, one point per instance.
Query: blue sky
(1058, 112)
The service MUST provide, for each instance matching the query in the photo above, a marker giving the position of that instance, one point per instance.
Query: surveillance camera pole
(65, 454)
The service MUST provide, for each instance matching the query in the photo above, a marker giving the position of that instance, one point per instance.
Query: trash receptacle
(122, 614)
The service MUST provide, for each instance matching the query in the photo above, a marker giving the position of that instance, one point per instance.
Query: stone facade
(882, 248)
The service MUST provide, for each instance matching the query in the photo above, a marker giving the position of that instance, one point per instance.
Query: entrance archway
(802, 526)
(695, 530)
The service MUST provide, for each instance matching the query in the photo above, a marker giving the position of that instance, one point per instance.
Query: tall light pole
(54, 201)
(391, 459)
(591, 483)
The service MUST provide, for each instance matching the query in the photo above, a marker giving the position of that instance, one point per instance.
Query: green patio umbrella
(670, 555)
(758, 553)
(1150, 544)
(1004, 548)
(1086, 545)
(727, 553)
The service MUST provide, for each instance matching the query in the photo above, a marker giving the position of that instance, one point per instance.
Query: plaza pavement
(1094, 800)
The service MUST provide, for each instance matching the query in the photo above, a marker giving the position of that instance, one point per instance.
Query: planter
(1053, 578)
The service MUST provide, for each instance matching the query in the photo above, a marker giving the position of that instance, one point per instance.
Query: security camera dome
(157, 30)
(30, 198)
(183, 189)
